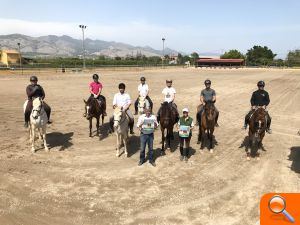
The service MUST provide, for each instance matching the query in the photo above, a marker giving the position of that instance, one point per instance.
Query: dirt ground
(81, 181)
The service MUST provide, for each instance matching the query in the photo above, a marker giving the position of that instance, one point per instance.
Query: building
(210, 62)
(9, 58)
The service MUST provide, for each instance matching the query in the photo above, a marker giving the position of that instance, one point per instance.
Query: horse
(94, 109)
(121, 127)
(257, 130)
(143, 104)
(167, 119)
(38, 120)
(207, 124)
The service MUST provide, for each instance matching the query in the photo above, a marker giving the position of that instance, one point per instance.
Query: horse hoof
(198, 142)
(257, 158)
(47, 149)
(169, 149)
(162, 153)
(118, 155)
(126, 154)
(248, 158)
(33, 150)
(211, 151)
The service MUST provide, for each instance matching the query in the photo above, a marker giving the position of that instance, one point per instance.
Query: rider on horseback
(207, 94)
(35, 90)
(169, 93)
(123, 101)
(260, 98)
(95, 90)
(143, 90)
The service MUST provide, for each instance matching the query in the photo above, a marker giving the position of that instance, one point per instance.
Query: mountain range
(66, 46)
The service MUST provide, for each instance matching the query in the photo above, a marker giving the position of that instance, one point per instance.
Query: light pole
(163, 58)
(20, 58)
(83, 27)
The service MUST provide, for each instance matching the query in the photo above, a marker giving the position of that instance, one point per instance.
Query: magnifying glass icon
(277, 205)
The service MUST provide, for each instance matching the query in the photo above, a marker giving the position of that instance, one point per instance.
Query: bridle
(122, 118)
(37, 110)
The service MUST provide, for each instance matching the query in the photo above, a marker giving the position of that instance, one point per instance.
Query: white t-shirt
(122, 100)
(143, 90)
(169, 94)
(147, 123)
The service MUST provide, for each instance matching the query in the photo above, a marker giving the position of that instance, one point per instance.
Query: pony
(94, 109)
(121, 127)
(38, 121)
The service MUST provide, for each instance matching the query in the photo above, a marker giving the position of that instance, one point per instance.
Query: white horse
(143, 104)
(38, 120)
(121, 129)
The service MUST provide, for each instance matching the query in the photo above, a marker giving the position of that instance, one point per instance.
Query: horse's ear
(84, 101)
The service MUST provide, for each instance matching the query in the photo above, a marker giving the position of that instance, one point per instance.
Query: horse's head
(210, 110)
(142, 104)
(36, 107)
(90, 107)
(118, 113)
(165, 114)
(260, 122)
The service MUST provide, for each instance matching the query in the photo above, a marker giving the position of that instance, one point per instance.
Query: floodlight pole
(83, 27)
(20, 57)
(163, 58)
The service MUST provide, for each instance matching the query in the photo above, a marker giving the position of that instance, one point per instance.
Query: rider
(95, 90)
(35, 90)
(123, 101)
(207, 94)
(169, 93)
(143, 90)
(259, 97)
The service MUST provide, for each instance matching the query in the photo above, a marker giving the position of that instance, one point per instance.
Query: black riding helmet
(260, 83)
(122, 86)
(143, 79)
(206, 82)
(33, 78)
(95, 76)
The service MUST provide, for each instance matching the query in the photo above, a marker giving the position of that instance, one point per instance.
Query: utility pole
(163, 58)
(83, 27)
(20, 57)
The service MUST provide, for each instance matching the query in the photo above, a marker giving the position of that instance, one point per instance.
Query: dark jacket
(260, 98)
(35, 91)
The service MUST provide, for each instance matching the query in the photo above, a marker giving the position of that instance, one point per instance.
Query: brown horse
(207, 122)
(167, 119)
(257, 130)
(94, 109)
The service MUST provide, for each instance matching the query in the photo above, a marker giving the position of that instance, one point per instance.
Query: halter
(120, 121)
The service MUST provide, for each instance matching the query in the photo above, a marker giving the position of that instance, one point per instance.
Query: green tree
(259, 55)
(193, 58)
(293, 58)
(180, 59)
(232, 54)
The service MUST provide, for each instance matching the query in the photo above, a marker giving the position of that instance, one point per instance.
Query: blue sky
(202, 26)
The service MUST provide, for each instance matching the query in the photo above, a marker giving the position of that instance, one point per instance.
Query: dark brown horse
(257, 130)
(207, 124)
(167, 119)
(94, 109)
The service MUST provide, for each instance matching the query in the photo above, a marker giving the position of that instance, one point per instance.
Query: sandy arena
(81, 181)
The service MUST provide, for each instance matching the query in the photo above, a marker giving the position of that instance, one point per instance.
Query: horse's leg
(44, 138)
(202, 137)
(102, 117)
(199, 134)
(162, 141)
(90, 120)
(168, 141)
(118, 145)
(33, 139)
(211, 140)
(97, 125)
(125, 144)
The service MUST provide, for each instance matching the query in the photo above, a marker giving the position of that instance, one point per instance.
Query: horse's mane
(165, 108)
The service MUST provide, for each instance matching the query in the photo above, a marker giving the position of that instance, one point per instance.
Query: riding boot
(131, 124)
(181, 153)
(136, 103)
(269, 130)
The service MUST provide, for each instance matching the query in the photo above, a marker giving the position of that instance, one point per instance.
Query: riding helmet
(95, 76)
(169, 81)
(261, 83)
(33, 78)
(143, 79)
(122, 86)
(207, 82)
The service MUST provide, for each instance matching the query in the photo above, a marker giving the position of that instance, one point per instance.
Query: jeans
(146, 139)
(184, 151)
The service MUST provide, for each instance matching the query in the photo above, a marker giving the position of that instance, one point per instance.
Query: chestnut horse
(257, 130)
